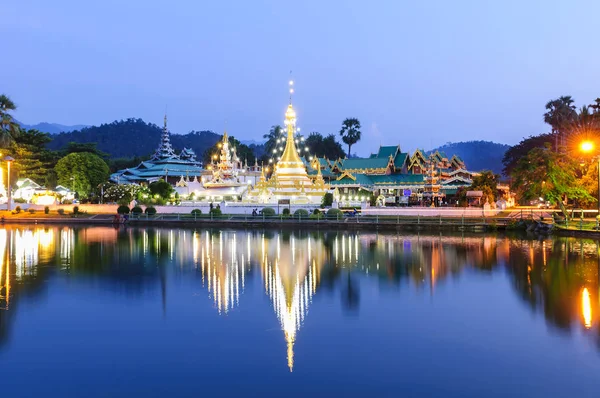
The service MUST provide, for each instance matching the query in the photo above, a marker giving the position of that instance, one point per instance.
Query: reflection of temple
(555, 277)
(223, 271)
(291, 272)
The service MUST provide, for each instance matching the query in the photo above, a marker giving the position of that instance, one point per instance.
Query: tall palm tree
(350, 132)
(560, 115)
(271, 137)
(9, 128)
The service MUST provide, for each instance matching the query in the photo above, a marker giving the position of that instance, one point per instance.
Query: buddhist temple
(165, 164)
(225, 179)
(398, 178)
(290, 179)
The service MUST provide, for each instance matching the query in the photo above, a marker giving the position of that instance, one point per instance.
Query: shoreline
(404, 224)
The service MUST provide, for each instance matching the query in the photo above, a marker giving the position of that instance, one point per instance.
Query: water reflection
(556, 277)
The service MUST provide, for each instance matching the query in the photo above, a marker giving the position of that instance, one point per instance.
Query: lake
(103, 311)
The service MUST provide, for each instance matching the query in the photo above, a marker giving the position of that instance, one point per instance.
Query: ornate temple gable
(457, 180)
(417, 162)
(346, 174)
(457, 163)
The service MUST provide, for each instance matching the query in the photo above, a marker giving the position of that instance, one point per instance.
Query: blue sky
(417, 74)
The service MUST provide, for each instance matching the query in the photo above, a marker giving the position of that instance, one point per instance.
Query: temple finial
(291, 83)
(165, 120)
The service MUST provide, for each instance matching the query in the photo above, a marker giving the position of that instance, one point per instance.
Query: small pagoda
(227, 179)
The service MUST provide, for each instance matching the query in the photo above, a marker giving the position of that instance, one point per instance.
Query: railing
(311, 219)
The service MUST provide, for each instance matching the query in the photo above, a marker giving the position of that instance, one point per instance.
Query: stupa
(226, 179)
(290, 179)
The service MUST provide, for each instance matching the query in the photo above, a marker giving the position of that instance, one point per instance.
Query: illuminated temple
(225, 179)
(290, 179)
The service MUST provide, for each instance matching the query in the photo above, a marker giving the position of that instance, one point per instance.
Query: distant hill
(133, 137)
(52, 128)
(477, 155)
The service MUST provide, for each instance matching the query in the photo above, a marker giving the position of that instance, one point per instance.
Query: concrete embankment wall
(243, 208)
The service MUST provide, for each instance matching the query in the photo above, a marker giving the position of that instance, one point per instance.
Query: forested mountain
(477, 155)
(133, 137)
(51, 128)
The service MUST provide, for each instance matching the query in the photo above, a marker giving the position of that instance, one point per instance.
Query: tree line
(552, 165)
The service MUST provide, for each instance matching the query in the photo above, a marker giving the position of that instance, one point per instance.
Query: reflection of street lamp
(8, 161)
(587, 147)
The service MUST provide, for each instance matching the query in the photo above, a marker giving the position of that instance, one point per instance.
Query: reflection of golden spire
(586, 308)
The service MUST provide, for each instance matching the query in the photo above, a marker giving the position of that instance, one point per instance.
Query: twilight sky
(414, 73)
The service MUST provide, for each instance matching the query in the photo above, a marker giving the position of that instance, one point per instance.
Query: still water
(120, 312)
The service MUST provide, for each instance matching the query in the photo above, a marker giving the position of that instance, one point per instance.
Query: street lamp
(8, 161)
(587, 147)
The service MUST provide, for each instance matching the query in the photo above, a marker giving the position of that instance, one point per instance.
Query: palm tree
(271, 137)
(350, 132)
(560, 114)
(9, 128)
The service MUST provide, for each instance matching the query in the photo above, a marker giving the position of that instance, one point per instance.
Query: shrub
(123, 209)
(150, 210)
(75, 209)
(31, 211)
(316, 216)
(334, 213)
(316, 211)
(67, 202)
(18, 209)
(327, 199)
(216, 212)
(19, 200)
(268, 212)
(286, 212)
(137, 210)
(301, 213)
(46, 210)
(196, 212)
(60, 211)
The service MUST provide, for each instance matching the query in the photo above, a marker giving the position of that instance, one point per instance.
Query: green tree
(516, 152)
(560, 114)
(82, 172)
(81, 147)
(324, 146)
(547, 174)
(350, 132)
(271, 137)
(9, 128)
(487, 182)
(161, 188)
(32, 159)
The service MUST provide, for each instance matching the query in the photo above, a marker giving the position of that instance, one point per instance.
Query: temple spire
(164, 150)
(290, 153)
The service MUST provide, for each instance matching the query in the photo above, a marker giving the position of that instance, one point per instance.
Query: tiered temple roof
(390, 168)
(165, 164)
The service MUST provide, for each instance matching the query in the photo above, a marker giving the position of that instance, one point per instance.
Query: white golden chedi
(290, 179)
(226, 179)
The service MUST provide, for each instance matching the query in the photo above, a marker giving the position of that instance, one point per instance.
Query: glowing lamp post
(587, 147)
(8, 161)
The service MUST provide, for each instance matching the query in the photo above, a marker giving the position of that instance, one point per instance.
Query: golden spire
(290, 153)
